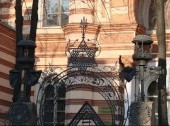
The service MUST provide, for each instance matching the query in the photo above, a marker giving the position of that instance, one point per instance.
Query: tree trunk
(160, 32)
(18, 27)
(34, 20)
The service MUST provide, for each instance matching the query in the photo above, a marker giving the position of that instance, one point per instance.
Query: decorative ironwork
(142, 55)
(82, 72)
(24, 73)
(14, 77)
(142, 49)
(73, 78)
(19, 113)
(22, 109)
(26, 56)
(140, 111)
(32, 77)
(82, 56)
(86, 112)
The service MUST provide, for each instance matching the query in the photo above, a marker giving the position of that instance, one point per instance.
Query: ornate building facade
(111, 27)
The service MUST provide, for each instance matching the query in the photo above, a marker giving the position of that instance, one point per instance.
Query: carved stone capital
(140, 113)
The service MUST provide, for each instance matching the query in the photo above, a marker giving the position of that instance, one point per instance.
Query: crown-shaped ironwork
(82, 56)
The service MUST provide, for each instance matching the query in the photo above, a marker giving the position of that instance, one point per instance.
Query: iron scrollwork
(83, 72)
(82, 56)
(14, 77)
(32, 77)
(73, 78)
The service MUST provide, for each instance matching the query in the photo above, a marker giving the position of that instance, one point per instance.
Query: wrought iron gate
(82, 72)
(70, 79)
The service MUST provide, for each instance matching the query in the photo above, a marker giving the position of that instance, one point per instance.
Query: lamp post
(23, 111)
(23, 76)
(142, 55)
(140, 111)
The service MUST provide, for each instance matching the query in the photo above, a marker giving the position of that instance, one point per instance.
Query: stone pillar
(141, 113)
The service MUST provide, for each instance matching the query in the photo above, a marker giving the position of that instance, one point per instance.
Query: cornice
(139, 29)
(82, 11)
(72, 28)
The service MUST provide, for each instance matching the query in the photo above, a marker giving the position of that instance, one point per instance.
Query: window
(60, 105)
(55, 12)
(54, 107)
(48, 105)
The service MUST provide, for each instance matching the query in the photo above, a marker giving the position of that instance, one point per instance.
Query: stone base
(141, 113)
(23, 113)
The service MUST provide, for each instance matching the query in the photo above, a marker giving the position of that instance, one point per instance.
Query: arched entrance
(54, 86)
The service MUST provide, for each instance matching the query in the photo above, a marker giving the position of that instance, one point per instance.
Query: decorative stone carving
(140, 113)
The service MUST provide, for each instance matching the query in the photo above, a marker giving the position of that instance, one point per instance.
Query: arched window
(55, 12)
(54, 105)
(48, 105)
(60, 105)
